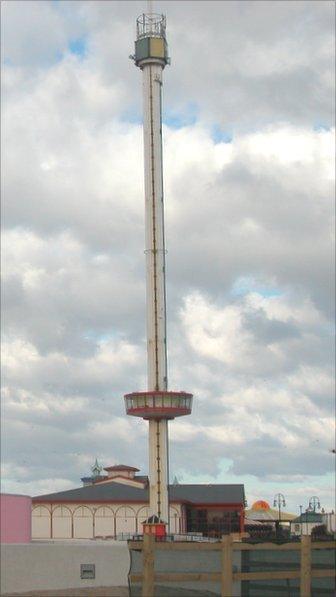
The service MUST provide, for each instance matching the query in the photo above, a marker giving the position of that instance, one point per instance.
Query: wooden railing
(227, 576)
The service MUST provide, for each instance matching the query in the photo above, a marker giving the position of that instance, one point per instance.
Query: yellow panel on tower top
(157, 49)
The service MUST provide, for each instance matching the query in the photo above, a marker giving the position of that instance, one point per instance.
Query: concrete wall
(52, 566)
(15, 518)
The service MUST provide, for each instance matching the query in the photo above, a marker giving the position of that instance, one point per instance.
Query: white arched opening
(142, 515)
(104, 522)
(125, 521)
(174, 521)
(61, 523)
(83, 523)
(41, 522)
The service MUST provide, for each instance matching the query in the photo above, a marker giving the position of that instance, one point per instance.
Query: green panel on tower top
(151, 47)
(142, 49)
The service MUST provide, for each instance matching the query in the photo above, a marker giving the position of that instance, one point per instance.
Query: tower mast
(158, 405)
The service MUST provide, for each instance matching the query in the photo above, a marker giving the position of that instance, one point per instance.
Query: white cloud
(249, 237)
(215, 333)
(41, 41)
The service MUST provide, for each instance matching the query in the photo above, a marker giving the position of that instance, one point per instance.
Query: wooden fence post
(148, 566)
(305, 579)
(227, 575)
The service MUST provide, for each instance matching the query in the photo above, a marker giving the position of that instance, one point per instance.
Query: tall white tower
(157, 404)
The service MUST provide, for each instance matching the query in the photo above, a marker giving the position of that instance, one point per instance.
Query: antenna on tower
(150, 6)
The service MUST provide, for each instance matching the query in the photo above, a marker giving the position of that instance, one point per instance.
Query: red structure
(154, 526)
(158, 404)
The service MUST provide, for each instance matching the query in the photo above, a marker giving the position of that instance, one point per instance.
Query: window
(167, 402)
(87, 571)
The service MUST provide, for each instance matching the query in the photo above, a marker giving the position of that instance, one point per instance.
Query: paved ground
(161, 591)
(114, 592)
(87, 592)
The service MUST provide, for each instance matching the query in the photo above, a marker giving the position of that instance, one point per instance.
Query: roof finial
(96, 469)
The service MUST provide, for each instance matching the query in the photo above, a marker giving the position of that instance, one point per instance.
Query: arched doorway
(83, 523)
(41, 522)
(61, 523)
(142, 515)
(174, 521)
(104, 522)
(125, 521)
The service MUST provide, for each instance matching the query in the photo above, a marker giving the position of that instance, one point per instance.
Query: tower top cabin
(151, 44)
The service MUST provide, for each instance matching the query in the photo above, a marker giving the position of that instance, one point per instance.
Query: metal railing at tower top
(151, 25)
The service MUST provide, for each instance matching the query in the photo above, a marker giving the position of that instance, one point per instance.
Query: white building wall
(329, 519)
(88, 521)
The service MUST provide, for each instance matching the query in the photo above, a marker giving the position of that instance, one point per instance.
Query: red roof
(120, 467)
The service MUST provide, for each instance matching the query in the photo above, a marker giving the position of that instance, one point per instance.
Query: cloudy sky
(248, 169)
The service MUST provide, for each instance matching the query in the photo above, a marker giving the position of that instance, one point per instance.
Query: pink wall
(15, 518)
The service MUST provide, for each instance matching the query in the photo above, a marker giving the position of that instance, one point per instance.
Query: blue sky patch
(244, 285)
(78, 46)
(100, 337)
(179, 119)
(320, 127)
(220, 136)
